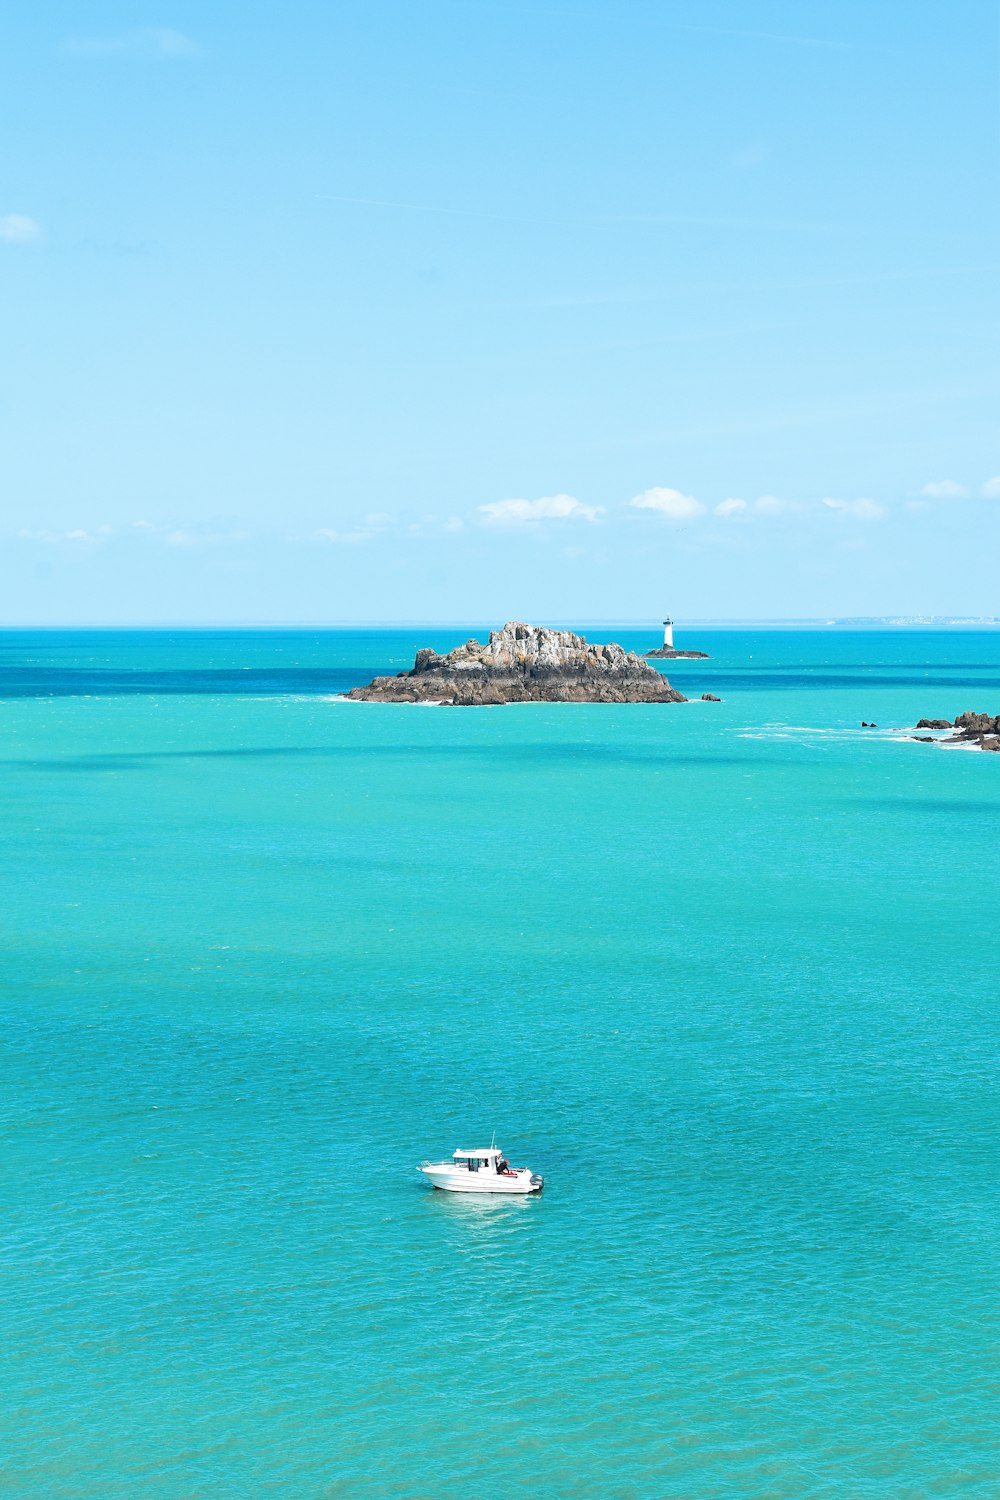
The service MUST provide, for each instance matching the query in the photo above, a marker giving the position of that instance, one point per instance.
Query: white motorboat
(483, 1171)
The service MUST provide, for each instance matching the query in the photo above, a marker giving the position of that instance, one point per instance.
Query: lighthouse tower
(668, 634)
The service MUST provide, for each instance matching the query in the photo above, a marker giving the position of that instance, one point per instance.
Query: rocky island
(668, 653)
(524, 664)
(982, 730)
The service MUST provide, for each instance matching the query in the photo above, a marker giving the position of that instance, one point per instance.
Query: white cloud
(862, 510)
(769, 505)
(673, 504)
(730, 507)
(146, 42)
(943, 489)
(18, 229)
(453, 523)
(991, 489)
(530, 512)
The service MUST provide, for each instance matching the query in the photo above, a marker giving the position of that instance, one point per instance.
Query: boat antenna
(493, 1140)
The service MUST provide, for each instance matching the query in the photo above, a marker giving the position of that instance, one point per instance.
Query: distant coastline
(900, 623)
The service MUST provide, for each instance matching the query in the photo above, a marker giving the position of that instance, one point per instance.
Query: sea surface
(725, 974)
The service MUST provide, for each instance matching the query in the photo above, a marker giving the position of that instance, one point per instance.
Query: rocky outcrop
(667, 653)
(971, 725)
(981, 730)
(710, 698)
(524, 664)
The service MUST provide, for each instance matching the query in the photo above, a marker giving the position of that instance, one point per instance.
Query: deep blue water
(722, 972)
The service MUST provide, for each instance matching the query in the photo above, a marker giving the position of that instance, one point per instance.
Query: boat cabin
(487, 1160)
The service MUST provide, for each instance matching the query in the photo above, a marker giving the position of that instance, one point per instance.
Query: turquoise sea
(726, 974)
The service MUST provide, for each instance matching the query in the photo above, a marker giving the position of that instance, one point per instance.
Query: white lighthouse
(668, 634)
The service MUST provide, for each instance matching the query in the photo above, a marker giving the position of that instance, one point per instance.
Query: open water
(726, 974)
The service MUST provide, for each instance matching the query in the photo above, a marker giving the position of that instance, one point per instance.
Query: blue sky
(459, 310)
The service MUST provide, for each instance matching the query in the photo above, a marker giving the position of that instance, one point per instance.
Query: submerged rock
(524, 664)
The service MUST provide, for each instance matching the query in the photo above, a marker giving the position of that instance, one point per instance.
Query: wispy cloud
(770, 505)
(139, 532)
(673, 504)
(531, 512)
(823, 43)
(54, 538)
(343, 538)
(656, 23)
(19, 229)
(195, 535)
(750, 156)
(861, 510)
(149, 42)
(540, 220)
(950, 489)
(764, 505)
(944, 489)
(373, 525)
